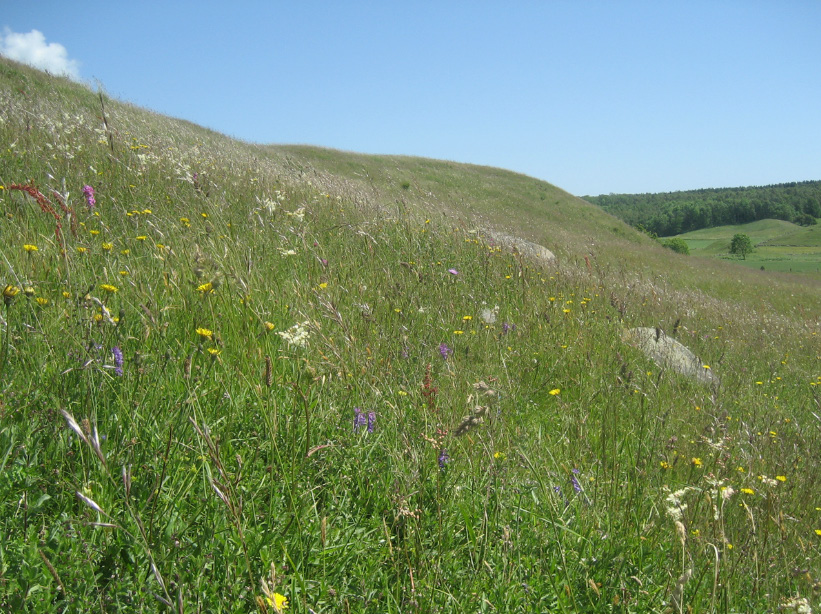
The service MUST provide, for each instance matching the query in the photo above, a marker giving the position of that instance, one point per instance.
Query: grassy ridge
(260, 295)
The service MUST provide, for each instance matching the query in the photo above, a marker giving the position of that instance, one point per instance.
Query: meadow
(779, 245)
(241, 378)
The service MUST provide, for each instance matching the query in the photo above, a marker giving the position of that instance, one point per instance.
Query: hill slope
(224, 363)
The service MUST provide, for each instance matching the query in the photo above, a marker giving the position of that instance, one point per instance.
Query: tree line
(671, 213)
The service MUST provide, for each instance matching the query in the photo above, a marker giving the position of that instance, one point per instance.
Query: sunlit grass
(252, 364)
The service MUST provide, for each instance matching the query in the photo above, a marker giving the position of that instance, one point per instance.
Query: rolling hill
(239, 377)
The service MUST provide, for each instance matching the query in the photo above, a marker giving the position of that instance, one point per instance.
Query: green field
(779, 246)
(239, 378)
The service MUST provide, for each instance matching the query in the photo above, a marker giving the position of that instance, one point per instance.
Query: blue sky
(594, 97)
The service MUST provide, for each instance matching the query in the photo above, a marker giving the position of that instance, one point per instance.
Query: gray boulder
(669, 353)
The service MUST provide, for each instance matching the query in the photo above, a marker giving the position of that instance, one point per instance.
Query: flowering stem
(5, 350)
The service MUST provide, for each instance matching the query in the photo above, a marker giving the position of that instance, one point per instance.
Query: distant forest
(672, 213)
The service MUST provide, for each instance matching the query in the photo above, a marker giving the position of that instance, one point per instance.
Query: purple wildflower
(506, 328)
(371, 421)
(444, 350)
(444, 458)
(359, 419)
(576, 486)
(453, 271)
(88, 192)
(118, 360)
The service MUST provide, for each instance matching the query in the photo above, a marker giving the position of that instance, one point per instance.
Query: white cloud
(32, 49)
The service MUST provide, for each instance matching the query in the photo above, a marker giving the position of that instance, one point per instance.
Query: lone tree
(741, 245)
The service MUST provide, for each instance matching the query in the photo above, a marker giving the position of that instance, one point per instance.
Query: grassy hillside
(248, 374)
(779, 245)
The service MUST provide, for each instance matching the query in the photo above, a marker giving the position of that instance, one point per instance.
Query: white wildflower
(298, 215)
(296, 335)
(489, 315)
(287, 252)
(798, 604)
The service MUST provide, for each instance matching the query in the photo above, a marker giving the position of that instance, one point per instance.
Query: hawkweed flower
(109, 288)
(444, 458)
(30, 248)
(206, 288)
(88, 192)
(9, 292)
(278, 602)
(118, 360)
(359, 419)
(206, 333)
(444, 351)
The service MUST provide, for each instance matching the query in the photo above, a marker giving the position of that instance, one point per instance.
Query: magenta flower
(453, 271)
(88, 192)
(444, 350)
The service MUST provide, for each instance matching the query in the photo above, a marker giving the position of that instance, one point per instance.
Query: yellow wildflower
(109, 288)
(748, 491)
(269, 326)
(30, 248)
(42, 301)
(82, 250)
(9, 293)
(781, 478)
(108, 246)
(554, 392)
(204, 332)
(206, 288)
(141, 238)
(696, 462)
(279, 602)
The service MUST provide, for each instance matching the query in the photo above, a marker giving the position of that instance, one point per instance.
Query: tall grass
(262, 303)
